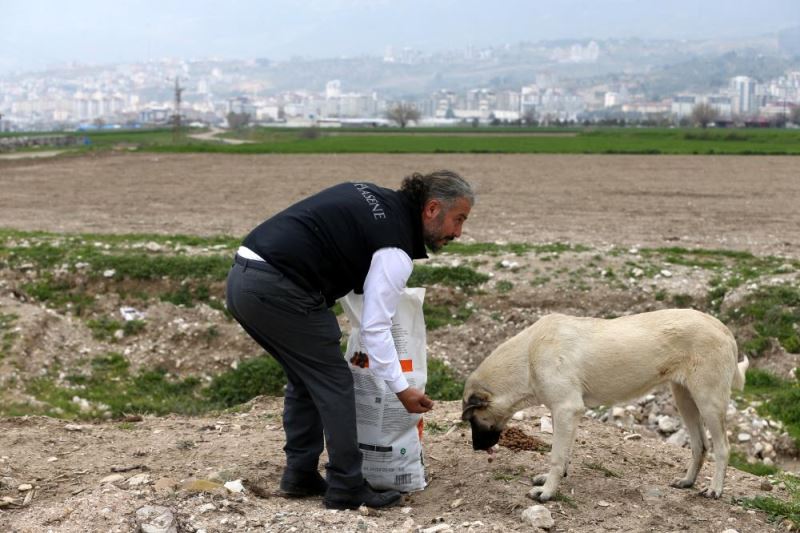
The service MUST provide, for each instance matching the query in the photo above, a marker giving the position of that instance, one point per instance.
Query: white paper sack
(388, 435)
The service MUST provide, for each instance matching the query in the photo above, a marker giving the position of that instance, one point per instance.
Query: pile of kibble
(517, 440)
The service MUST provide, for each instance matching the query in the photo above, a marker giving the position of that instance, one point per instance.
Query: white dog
(570, 363)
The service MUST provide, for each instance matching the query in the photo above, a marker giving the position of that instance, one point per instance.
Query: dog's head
(486, 425)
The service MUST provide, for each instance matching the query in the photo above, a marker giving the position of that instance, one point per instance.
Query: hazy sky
(36, 34)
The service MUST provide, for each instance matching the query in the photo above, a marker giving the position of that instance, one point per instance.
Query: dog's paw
(682, 483)
(538, 494)
(539, 480)
(711, 493)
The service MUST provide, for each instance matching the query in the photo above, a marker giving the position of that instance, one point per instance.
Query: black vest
(325, 242)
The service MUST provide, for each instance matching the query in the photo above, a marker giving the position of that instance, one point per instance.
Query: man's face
(440, 225)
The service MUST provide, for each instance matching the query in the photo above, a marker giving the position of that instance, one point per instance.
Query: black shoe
(300, 484)
(363, 495)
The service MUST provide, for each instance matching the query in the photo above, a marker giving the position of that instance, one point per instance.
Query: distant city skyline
(42, 34)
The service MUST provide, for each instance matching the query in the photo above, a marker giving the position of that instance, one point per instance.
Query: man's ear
(473, 402)
(431, 209)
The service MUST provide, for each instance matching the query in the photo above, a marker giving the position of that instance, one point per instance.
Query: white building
(743, 91)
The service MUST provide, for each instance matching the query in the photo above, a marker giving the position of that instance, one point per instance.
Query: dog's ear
(473, 402)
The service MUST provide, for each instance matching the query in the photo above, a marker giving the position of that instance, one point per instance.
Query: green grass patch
(776, 508)
(251, 378)
(59, 294)
(739, 461)
(7, 333)
(460, 276)
(104, 328)
(780, 398)
(483, 140)
(437, 316)
(111, 390)
(443, 384)
(518, 248)
(774, 312)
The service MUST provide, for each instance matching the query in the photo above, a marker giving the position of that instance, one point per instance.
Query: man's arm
(385, 282)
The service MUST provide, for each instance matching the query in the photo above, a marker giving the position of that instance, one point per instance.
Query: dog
(571, 363)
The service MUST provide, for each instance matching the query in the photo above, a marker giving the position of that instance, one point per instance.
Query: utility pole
(176, 118)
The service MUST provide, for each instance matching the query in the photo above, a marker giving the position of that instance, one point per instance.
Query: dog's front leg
(565, 422)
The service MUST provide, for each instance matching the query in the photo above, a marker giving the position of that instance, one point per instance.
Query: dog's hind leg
(697, 437)
(565, 421)
(713, 414)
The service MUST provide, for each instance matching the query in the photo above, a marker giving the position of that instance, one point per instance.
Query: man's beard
(433, 236)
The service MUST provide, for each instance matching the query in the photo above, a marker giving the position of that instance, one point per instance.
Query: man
(288, 273)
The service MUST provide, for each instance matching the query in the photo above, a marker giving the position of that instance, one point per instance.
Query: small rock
(25, 487)
(165, 484)
(113, 478)
(456, 503)
(438, 528)
(109, 273)
(519, 416)
(538, 516)
(363, 510)
(765, 485)
(651, 493)
(546, 424)
(138, 480)
(618, 412)
(603, 503)
(408, 526)
(632, 436)
(743, 437)
(666, 273)
(206, 508)
(406, 510)
(730, 530)
(156, 519)
(235, 485)
(679, 438)
(73, 427)
(667, 424)
(52, 459)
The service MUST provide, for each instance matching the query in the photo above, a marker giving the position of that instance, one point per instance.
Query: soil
(614, 483)
(731, 202)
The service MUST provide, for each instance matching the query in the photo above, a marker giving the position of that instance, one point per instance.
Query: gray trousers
(303, 335)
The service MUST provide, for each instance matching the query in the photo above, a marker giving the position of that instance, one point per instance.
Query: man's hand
(415, 401)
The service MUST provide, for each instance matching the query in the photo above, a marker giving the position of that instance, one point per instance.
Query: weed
(504, 286)
(508, 474)
(434, 428)
(443, 384)
(600, 468)
(682, 300)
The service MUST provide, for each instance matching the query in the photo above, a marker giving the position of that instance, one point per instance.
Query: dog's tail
(738, 378)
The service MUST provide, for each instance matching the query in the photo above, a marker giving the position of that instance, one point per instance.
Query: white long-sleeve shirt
(386, 280)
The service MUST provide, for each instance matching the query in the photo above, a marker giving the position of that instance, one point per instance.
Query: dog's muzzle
(483, 439)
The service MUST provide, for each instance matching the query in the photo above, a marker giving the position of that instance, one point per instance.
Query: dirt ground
(614, 484)
(732, 202)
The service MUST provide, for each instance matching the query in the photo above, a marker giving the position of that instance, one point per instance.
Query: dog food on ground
(517, 440)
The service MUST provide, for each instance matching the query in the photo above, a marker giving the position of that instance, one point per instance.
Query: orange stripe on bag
(406, 365)
(420, 426)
